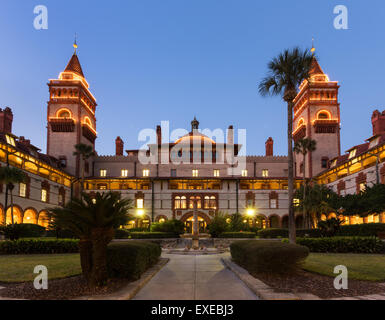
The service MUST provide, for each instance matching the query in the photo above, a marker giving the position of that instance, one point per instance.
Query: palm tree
(11, 176)
(285, 74)
(304, 146)
(84, 151)
(93, 220)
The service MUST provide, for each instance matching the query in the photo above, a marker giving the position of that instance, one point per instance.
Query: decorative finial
(194, 124)
(312, 46)
(75, 45)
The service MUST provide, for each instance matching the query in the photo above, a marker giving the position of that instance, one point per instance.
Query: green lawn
(369, 267)
(19, 268)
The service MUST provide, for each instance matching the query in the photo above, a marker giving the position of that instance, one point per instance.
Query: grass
(19, 268)
(370, 267)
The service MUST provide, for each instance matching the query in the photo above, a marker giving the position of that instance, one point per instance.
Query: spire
(312, 50)
(75, 45)
(194, 124)
(74, 65)
(315, 67)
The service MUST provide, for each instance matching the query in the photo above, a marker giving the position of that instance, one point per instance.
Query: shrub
(122, 234)
(61, 234)
(170, 226)
(362, 230)
(38, 246)
(343, 244)
(238, 235)
(130, 259)
(152, 235)
(268, 256)
(273, 233)
(16, 231)
(218, 225)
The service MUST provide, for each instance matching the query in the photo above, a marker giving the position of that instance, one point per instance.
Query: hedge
(38, 246)
(343, 244)
(130, 259)
(152, 235)
(268, 256)
(122, 234)
(239, 235)
(359, 230)
(23, 230)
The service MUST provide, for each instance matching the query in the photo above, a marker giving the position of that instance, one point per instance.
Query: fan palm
(11, 176)
(285, 74)
(93, 220)
(84, 151)
(304, 146)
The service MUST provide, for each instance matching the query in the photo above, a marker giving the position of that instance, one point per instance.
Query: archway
(275, 222)
(17, 215)
(260, 221)
(43, 219)
(285, 222)
(30, 216)
(299, 222)
(2, 218)
(161, 218)
(203, 221)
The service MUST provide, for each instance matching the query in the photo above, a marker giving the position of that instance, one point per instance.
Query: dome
(194, 137)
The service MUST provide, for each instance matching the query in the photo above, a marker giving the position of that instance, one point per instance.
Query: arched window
(198, 202)
(183, 202)
(323, 115)
(213, 202)
(177, 202)
(64, 113)
(207, 202)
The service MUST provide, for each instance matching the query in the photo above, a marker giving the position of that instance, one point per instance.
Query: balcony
(62, 124)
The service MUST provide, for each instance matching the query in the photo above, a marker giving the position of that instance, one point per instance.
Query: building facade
(168, 177)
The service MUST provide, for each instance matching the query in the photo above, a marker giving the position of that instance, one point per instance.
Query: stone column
(195, 229)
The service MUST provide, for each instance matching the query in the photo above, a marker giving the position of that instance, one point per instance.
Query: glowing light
(250, 212)
(140, 212)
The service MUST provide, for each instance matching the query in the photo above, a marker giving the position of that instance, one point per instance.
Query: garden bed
(60, 289)
(319, 285)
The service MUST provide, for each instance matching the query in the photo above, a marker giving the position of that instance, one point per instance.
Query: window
(323, 116)
(140, 203)
(249, 203)
(103, 172)
(210, 202)
(173, 172)
(244, 173)
(64, 114)
(44, 194)
(180, 202)
(265, 173)
(195, 173)
(146, 173)
(10, 140)
(374, 142)
(352, 153)
(22, 190)
(102, 186)
(324, 162)
(216, 173)
(124, 173)
(198, 202)
(334, 163)
(362, 187)
(273, 203)
(301, 168)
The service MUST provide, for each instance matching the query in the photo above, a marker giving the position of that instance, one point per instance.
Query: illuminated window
(323, 116)
(362, 187)
(22, 190)
(44, 194)
(216, 173)
(265, 173)
(146, 173)
(10, 140)
(334, 163)
(64, 114)
(198, 202)
(103, 172)
(102, 186)
(180, 202)
(352, 153)
(244, 173)
(195, 173)
(140, 203)
(124, 173)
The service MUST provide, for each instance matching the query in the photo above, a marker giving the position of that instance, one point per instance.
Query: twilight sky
(150, 60)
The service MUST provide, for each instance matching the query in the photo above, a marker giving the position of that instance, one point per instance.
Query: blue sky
(151, 60)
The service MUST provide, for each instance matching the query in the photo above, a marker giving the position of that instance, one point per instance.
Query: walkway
(201, 277)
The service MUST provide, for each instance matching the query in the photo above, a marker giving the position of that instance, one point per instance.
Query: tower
(317, 116)
(70, 115)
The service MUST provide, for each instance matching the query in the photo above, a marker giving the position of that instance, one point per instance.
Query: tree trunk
(85, 250)
(304, 192)
(289, 97)
(100, 237)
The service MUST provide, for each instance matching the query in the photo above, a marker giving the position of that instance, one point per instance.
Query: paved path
(201, 277)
